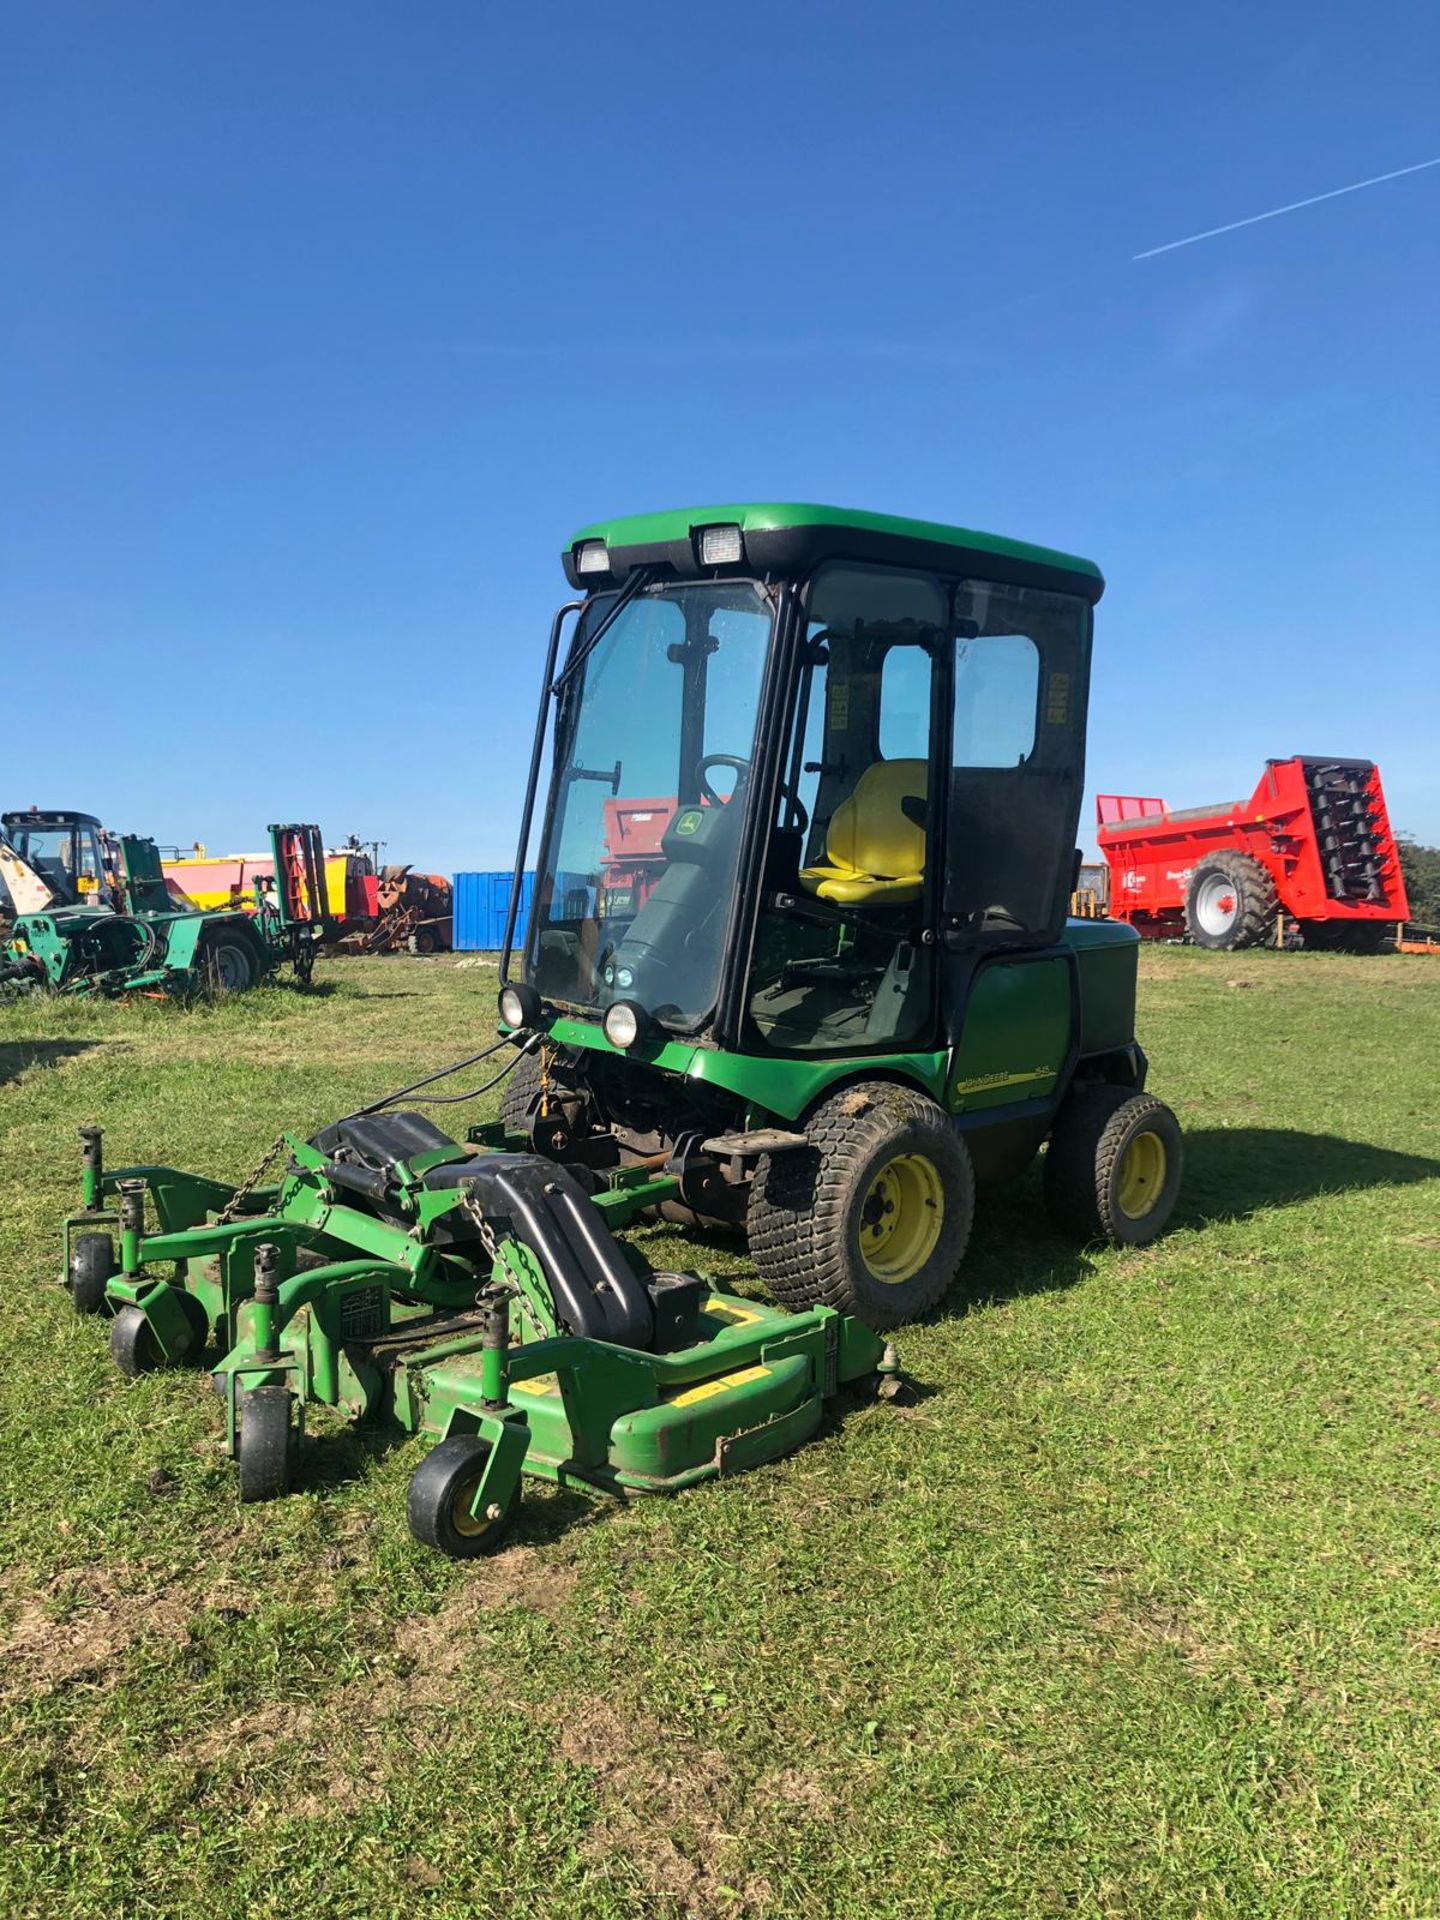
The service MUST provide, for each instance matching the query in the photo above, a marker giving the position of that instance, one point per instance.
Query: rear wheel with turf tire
(872, 1216)
(442, 1491)
(267, 1442)
(1230, 902)
(1113, 1166)
(92, 1261)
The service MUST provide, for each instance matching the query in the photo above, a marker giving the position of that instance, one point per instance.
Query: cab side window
(1015, 761)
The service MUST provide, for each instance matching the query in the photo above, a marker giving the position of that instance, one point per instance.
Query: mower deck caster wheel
(267, 1443)
(135, 1350)
(133, 1346)
(92, 1261)
(441, 1490)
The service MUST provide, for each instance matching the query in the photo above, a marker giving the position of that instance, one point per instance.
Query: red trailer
(1312, 844)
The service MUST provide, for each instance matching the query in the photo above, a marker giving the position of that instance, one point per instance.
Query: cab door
(1016, 769)
(844, 957)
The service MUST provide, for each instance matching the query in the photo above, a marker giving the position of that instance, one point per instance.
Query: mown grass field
(1137, 1612)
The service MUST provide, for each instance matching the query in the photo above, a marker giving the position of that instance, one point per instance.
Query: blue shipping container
(481, 903)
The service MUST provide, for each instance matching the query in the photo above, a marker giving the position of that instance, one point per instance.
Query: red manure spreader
(1308, 857)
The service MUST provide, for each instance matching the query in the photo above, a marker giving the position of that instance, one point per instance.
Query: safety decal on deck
(541, 1383)
(723, 1385)
(733, 1314)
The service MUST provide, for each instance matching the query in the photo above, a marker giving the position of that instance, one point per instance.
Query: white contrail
(1294, 207)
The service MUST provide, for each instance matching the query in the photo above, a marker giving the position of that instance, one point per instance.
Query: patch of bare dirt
(77, 1627)
(673, 1808)
(1145, 1623)
(434, 1647)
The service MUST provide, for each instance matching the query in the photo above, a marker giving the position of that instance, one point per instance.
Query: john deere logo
(688, 822)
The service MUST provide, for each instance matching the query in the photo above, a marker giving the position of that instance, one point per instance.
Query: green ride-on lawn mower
(797, 963)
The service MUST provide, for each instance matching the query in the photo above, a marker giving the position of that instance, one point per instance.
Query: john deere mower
(797, 964)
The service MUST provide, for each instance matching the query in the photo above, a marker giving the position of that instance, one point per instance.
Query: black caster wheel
(267, 1444)
(92, 1261)
(441, 1489)
(199, 1322)
(133, 1346)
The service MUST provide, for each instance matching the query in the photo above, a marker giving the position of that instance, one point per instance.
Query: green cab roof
(792, 536)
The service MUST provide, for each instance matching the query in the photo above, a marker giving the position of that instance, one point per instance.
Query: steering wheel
(702, 772)
(742, 768)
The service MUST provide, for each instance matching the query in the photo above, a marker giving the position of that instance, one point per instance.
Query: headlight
(624, 1023)
(592, 556)
(721, 546)
(520, 1006)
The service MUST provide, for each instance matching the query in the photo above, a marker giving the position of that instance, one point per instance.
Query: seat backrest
(871, 832)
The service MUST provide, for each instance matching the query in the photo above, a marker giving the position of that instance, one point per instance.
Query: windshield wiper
(638, 579)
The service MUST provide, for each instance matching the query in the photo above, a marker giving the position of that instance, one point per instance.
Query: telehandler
(845, 995)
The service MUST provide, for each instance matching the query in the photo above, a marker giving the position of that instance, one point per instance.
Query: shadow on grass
(1234, 1172)
(18, 1056)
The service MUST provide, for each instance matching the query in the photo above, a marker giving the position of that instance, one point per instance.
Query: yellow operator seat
(874, 848)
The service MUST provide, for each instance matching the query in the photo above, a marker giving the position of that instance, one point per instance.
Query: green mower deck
(469, 1293)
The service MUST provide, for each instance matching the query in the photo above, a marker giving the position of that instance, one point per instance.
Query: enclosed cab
(799, 919)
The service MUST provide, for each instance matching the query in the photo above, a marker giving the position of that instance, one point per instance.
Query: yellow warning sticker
(1057, 700)
(732, 1311)
(723, 1385)
(839, 706)
(542, 1383)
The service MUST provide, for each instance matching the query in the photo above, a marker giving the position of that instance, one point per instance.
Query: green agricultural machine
(797, 963)
(94, 915)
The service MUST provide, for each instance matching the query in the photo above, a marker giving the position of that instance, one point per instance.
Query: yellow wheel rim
(901, 1217)
(1142, 1175)
(461, 1518)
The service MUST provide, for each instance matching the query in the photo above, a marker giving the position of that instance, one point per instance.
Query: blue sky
(323, 326)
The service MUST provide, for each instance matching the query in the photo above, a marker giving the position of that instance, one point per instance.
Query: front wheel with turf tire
(442, 1492)
(92, 1261)
(873, 1215)
(266, 1449)
(520, 1090)
(1231, 902)
(1113, 1166)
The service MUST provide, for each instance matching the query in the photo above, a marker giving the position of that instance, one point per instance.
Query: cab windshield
(67, 859)
(653, 740)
